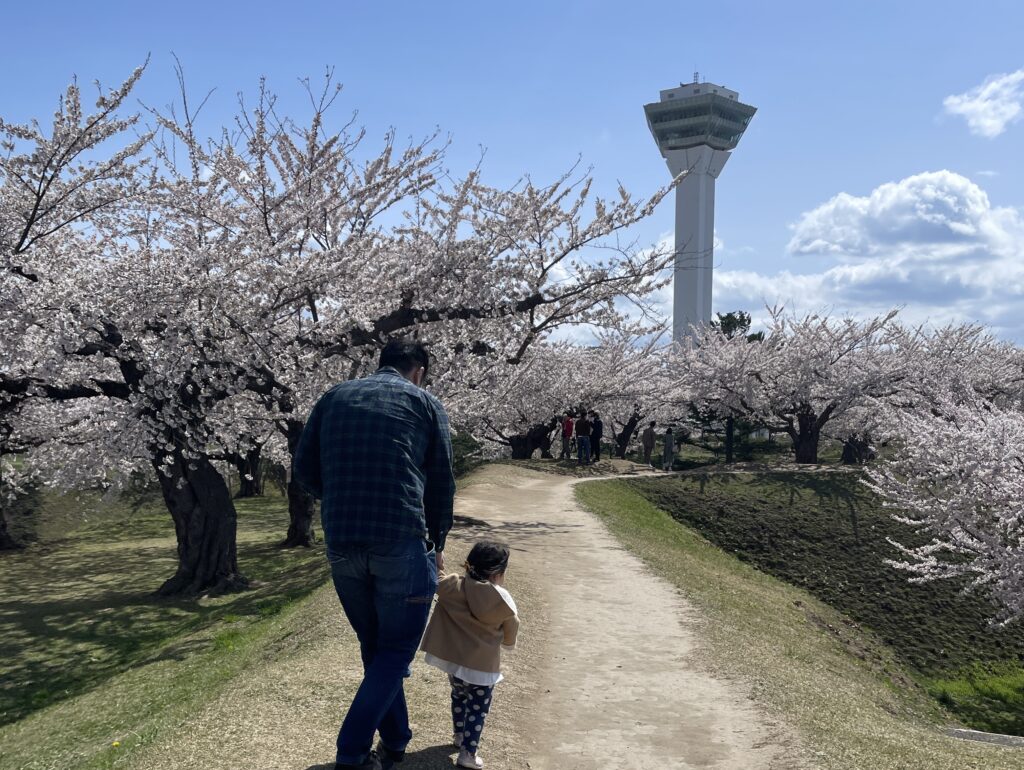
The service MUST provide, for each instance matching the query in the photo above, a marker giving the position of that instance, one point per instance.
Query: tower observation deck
(696, 126)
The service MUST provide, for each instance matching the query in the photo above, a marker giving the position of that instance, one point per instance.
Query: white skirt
(470, 675)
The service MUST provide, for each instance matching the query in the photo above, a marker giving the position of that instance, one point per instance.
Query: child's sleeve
(511, 630)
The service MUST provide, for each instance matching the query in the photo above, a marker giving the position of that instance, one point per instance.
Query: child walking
(475, 616)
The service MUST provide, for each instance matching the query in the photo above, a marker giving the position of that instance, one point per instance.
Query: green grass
(130, 710)
(77, 607)
(827, 533)
(850, 697)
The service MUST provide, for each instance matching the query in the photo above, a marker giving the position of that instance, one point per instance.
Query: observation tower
(697, 126)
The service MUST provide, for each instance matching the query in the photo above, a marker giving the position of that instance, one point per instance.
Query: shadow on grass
(79, 610)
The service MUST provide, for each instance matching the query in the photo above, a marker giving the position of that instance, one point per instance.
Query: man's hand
(439, 559)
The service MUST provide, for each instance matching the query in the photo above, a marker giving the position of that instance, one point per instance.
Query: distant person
(474, 618)
(568, 425)
(597, 433)
(647, 441)
(377, 451)
(670, 450)
(583, 430)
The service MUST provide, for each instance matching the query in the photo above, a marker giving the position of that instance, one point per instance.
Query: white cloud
(990, 107)
(936, 215)
(931, 242)
(987, 173)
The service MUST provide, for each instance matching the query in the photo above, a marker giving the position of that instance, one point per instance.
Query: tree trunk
(7, 541)
(301, 504)
(538, 437)
(856, 450)
(206, 526)
(250, 473)
(522, 447)
(730, 438)
(301, 509)
(626, 434)
(805, 438)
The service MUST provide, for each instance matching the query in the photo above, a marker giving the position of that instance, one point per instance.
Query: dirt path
(606, 675)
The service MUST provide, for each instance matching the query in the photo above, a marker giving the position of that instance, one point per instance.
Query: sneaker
(468, 760)
(372, 763)
(388, 757)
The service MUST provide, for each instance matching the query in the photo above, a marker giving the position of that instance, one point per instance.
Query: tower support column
(695, 235)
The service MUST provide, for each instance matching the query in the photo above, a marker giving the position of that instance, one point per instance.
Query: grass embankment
(88, 656)
(853, 700)
(826, 532)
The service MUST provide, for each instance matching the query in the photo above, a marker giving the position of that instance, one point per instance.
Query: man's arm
(439, 493)
(306, 461)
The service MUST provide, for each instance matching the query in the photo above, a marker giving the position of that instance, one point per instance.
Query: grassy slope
(826, 532)
(101, 729)
(77, 615)
(837, 682)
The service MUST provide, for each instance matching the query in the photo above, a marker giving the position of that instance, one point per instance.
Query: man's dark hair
(405, 355)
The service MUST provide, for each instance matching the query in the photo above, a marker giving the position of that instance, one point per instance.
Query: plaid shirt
(377, 451)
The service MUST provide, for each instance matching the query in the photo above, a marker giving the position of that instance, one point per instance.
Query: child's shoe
(468, 760)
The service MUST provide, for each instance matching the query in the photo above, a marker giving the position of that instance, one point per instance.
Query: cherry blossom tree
(616, 375)
(958, 480)
(806, 372)
(231, 280)
(55, 184)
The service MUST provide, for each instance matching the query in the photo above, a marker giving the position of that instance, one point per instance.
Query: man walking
(647, 439)
(583, 429)
(377, 452)
(596, 434)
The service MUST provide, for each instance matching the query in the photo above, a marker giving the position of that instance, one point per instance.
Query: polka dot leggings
(470, 704)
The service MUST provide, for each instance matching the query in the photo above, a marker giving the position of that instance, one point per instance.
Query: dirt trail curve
(605, 675)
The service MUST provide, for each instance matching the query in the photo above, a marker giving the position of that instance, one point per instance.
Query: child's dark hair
(486, 559)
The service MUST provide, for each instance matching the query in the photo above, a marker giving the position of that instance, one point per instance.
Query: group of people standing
(588, 431)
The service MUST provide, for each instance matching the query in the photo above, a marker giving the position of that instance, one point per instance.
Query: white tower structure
(696, 126)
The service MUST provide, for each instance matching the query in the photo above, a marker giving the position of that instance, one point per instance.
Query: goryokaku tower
(696, 126)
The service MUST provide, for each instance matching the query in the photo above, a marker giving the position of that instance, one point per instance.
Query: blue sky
(851, 103)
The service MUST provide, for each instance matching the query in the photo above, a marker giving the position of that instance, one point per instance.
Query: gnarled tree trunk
(626, 434)
(538, 437)
(730, 439)
(301, 505)
(806, 436)
(205, 523)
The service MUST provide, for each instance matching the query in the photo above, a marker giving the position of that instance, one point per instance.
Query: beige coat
(470, 623)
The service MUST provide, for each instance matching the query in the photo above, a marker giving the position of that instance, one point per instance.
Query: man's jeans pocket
(412, 576)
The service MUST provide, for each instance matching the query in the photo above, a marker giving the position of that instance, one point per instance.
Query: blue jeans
(584, 448)
(386, 590)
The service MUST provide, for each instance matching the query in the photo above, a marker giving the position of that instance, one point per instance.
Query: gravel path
(606, 674)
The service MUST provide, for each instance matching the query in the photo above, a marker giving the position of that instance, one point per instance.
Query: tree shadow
(76, 611)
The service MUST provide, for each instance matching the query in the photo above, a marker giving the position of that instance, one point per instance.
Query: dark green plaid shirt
(377, 452)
